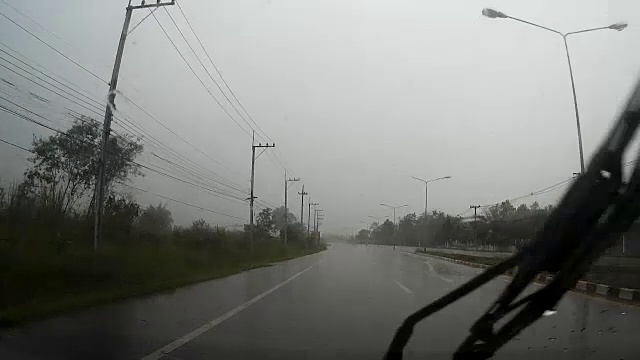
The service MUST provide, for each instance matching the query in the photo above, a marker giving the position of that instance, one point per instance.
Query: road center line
(406, 289)
(217, 321)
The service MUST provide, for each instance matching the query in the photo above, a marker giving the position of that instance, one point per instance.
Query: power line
(198, 77)
(220, 74)
(16, 145)
(183, 203)
(136, 188)
(54, 49)
(141, 21)
(24, 117)
(96, 76)
(207, 71)
(121, 121)
(209, 191)
(195, 174)
(266, 137)
(49, 120)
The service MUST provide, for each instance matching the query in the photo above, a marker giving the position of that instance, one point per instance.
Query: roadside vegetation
(47, 261)
(499, 226)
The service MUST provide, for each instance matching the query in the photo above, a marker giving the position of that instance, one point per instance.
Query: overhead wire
(219, 73)
(198, 77)
(136, 188)
(124, 120)
(79, 118)
(93, 74)
(53, 48)
(148, 167)
(141, 21)
(265, 136)
(183, 203)
(130, 100)
(207, 71)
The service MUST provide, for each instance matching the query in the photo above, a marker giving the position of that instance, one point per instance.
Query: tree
(362, 236)
(277, 217)
(407, 230)
(65, 164)
(120, 213)
(386, 232)
(264, 223)
(156, 220)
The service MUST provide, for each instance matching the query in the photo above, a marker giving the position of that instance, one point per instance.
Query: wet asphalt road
(343, 303)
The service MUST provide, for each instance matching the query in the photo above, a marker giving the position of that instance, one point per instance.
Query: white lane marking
(217, 321)
(436, 273)
(406, 289)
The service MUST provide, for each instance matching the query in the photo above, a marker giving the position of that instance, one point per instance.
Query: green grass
(36, 285)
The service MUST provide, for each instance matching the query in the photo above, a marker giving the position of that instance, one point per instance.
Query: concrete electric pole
(309, 216)
(475, 221)
(302, 194)
(286, 209)
(108, 116)
(251, 197)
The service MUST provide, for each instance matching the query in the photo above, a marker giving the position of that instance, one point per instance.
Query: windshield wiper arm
(598, 207)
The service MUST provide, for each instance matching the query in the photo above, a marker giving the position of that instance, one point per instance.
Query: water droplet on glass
(583, 329)
(565, 349)
(549, 312)
(599, 331)
(623, 313)
(545, 347)
(529, 348)
(553, 338)
(603, 311)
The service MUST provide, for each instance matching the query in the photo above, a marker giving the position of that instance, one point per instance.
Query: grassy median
(37, 284)
(627, 276)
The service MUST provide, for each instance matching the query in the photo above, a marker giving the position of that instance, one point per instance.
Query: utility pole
(286, 209)
(302, 194)
(475, 221)
(319, 217)
(108, 116)
(309, 216)
(253, 168)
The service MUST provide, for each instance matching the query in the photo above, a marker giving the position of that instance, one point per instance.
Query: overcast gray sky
(358, 95)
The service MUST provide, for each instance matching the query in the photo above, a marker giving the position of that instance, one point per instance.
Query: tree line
(500, 225)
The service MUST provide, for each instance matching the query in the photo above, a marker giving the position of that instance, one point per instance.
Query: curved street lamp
(426, 195)
(495, 14)
(394, 220)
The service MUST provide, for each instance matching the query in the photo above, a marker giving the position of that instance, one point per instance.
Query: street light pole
(394, 220)
(426, 196)
(493, 14)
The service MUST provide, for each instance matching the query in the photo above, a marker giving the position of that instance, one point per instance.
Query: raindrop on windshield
(549, 312)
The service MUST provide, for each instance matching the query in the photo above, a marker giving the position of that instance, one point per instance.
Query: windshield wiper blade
(598, 207)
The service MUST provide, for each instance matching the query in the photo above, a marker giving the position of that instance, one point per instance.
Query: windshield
(282, 179)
